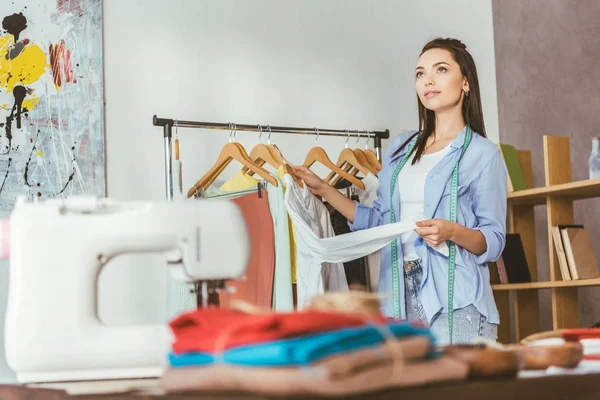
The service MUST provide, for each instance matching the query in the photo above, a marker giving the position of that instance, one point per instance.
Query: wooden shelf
(547, 285)
(573, 190)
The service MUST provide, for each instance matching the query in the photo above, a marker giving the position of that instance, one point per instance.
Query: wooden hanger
(372, 159)
(270, 154)
(347, 157)
(231, 151)
(262, 155)
(318, 154)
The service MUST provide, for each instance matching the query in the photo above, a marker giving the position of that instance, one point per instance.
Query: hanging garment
(355, 269)
(292, 232)
(316, 246)
(206, 329)
(367, 197)
(257, 285)
(314, 381)
(283, 299)
(304, 350)
(314, 275)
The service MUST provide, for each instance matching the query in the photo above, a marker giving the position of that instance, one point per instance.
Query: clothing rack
(168, 125)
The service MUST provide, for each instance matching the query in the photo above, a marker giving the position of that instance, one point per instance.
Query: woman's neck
(448, 123)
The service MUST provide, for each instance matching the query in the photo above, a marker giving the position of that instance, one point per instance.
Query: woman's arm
(436, 231)
(358, 215)
(487, 240)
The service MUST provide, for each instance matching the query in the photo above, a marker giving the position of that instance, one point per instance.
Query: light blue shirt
(481, 206)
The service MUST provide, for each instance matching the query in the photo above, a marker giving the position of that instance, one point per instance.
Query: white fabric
(368, 197)
(411, 184)
(311, 220)
(320, 253)
(283, 298)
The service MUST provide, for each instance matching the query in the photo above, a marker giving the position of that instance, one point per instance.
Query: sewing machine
(57, 250)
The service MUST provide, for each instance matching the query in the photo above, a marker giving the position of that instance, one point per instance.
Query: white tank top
(411, 184)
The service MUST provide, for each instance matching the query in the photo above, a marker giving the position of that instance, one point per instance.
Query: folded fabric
(313, 381)
(305, 350)
(210, 329)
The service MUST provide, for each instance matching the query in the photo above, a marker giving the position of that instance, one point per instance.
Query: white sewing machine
(57, 249)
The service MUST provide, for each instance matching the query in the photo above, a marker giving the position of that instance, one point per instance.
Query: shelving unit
(558, 195)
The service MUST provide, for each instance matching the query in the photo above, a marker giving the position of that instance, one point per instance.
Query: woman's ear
(465, 85)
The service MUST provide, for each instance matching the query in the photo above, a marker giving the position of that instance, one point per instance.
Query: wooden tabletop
(579, 387)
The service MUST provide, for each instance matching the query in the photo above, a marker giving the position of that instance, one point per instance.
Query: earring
(467, 93)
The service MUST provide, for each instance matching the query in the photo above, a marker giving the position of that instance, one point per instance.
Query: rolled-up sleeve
(489, 204)
(369, 217)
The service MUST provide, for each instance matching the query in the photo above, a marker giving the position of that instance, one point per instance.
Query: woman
(417, 179)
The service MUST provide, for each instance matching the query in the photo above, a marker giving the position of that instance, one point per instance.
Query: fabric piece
(206, 329)
(341, 248)
(306, 349)
(292, 232)
(481, 206)
(239, 181)
(283, 299)
(407, 349)
(257, 285)
(468, 323)
(367, 197)
(282, 287)
(355, 269)
(313, 381)
(315, 276)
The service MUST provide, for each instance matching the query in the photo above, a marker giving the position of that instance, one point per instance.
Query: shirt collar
(457, 143)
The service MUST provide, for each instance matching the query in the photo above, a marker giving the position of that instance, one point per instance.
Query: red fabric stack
(217, 329)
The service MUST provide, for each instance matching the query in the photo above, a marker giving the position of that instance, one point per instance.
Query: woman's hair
(471, 106)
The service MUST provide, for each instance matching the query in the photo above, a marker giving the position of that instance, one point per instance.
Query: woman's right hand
(315, 184)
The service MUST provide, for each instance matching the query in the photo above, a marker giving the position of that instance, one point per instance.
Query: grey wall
(548, 80)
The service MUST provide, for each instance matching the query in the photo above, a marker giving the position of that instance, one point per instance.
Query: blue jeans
(468, 323)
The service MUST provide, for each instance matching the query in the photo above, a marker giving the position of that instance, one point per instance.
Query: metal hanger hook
(347, 138)
(233, 132)
(317, 133)
(269, 137)
(357, 137)
(367, 137)
(261, 132)
(176, 123)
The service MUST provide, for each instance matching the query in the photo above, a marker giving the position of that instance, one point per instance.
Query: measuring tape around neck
(452, 245)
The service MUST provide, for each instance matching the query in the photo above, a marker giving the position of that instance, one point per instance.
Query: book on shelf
(579, 252)
(560, 251)
(516, 177)
(512, 264)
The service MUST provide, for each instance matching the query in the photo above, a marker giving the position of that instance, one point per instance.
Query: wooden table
(572, 387)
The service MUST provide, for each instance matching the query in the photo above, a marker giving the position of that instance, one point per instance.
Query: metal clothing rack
(168, 125)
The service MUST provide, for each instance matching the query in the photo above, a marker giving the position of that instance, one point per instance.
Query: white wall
(344, 64)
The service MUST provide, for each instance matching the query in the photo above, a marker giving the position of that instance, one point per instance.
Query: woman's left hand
(436, 231)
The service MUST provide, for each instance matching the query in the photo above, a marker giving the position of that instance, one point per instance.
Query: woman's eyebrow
(434, 65)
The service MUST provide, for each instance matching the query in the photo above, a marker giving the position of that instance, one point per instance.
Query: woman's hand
(436, 231)
(315, 184)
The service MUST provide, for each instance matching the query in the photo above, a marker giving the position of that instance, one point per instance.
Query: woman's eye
(442, 69)
(419, 74)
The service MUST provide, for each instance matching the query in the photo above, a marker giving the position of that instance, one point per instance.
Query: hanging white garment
(317, 245)
(314, 275)
(368, 197)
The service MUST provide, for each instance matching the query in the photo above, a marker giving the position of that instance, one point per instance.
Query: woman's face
(440, 83)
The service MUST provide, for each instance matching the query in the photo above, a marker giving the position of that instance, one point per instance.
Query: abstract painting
(51, 100)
